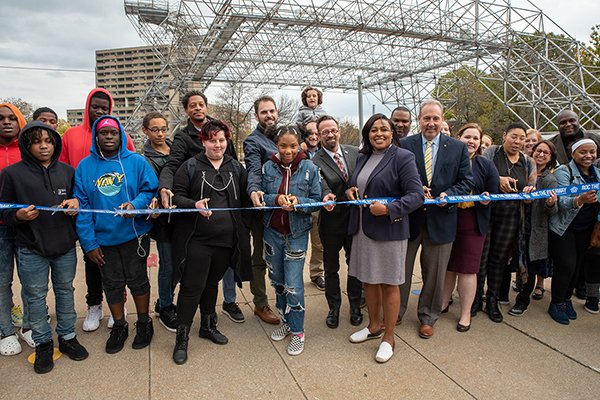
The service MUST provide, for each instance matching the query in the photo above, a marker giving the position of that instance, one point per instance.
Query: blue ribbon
(538, 194)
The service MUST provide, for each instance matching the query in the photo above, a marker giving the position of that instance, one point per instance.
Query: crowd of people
(288, 172)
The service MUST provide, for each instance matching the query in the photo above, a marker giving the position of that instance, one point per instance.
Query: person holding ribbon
(291, 182)
(206, 244)
(570, 231)
(537, 213)
(517, 174)
(380, 230)
(472, 228)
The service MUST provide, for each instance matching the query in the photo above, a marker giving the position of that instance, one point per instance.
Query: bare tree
(234, 106)
(349, 132)
(24, 106)
(287, 108)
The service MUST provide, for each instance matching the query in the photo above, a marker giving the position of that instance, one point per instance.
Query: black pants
(332, 244)
(199, 285)
(93, 281)
(524, 296)
(569, 254)
(126, 266)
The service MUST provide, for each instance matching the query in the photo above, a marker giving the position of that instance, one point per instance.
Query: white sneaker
(93, 317)
(280, 333)
(111, 320)
(296, 345)
(27, 337)
(9, 346)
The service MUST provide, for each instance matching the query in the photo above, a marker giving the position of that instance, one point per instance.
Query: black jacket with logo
(28, 182)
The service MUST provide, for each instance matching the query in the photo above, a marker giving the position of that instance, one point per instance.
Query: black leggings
(199, 285)
(569, 254)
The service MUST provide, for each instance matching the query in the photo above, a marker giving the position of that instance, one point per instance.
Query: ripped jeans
(284, 256)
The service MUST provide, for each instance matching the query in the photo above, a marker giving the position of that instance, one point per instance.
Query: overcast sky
(64, 34)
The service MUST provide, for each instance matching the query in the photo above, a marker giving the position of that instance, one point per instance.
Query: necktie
(340, 165)
(429, 161)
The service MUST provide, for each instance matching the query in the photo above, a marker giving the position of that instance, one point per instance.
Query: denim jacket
(305, 184)
(566, 175)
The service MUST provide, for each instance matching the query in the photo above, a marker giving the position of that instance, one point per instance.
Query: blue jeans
(7, 266)
(228, 283)
(165, 274)
(284, 256)
(33, 271)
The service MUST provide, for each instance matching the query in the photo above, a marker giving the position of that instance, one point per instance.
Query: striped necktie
(340, 165)
(429, 161)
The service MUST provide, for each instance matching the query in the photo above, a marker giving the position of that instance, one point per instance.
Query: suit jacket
(332, 181)
(452, 175)
(395, 176)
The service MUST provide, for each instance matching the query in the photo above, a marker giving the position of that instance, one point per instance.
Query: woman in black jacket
(207, 243)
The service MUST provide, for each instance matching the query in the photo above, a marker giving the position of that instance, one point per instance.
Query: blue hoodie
(102, 183)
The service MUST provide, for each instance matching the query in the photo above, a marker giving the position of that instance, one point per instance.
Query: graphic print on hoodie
(106, 183)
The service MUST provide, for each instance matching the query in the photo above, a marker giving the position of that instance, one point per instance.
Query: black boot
(493, 310)
(43, 357)
(181, 344)
(477, 305)
(208, 329)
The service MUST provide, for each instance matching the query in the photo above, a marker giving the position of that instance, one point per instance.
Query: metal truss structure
(398, 49)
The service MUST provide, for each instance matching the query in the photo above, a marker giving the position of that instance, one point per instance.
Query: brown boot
(266, 314)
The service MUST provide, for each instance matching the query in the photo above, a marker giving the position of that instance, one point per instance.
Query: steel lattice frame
(400, 48)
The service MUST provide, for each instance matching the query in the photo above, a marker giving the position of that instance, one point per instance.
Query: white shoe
(364, 334)
(385, 352)
(9, 346)
(93, 317)
(27, 337)
(296, 345)
(111, 320)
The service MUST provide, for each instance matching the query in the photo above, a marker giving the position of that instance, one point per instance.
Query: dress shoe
(356, 317)
(266, 314)
(425, 331)
(333, 318)
(492, 309)
(462, 328)
(365, 334)
(384, 353)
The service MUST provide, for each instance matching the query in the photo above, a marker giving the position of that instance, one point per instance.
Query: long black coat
(187, 191)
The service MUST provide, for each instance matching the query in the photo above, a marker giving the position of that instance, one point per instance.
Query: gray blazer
(540, 213)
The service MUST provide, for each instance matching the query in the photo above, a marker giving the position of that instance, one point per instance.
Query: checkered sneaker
(296, 345)
(280, 333)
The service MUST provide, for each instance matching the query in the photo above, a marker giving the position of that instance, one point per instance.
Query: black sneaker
(517, 310)
(43, 357)
(168, 318)
(319, 282)
(117, 338)
(232, 310)
(591, 305)
(143, 334)
(73, 349)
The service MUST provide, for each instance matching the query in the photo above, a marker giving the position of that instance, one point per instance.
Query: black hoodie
(28, 182)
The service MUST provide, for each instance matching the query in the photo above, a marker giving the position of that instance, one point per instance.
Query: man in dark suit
(443, 165)
(336, 162)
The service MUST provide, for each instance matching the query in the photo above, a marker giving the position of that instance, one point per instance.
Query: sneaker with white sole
(10, 346)
(93, 318)
(296, 345)
(281, 333)
(111, 320)
(27, 337)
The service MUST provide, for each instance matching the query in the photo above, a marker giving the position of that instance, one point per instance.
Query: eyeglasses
(156, 130)
(326, 132)
(538, 151)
